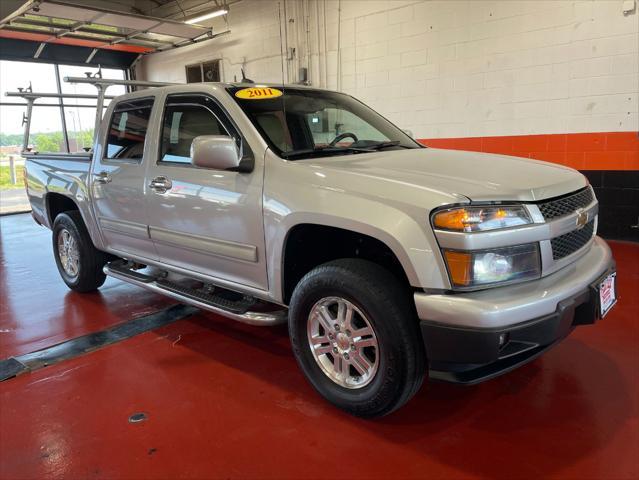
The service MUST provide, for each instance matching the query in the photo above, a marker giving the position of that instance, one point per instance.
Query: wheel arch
(57, 203)
(329, 242)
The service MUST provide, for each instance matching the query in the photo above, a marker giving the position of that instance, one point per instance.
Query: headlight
(475, 219)
(499, 265)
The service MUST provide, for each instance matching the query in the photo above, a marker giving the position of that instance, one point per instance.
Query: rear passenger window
(184, 119)
(127, 129)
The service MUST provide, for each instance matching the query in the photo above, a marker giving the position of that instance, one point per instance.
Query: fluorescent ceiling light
(206, 16)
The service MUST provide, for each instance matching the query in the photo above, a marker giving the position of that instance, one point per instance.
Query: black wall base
(618, 195)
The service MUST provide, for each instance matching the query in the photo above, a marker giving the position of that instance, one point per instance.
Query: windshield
(303, 123)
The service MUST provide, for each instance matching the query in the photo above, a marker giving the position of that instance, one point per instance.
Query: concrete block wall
(445, 68)
(546, 79)
(253, 44)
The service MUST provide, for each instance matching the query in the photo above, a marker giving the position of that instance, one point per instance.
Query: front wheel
(356, 338)
(79, 262)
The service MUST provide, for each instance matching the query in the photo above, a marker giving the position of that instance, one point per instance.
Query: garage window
(57, 125)
(203, 72)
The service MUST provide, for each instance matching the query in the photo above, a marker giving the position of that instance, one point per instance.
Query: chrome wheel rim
(343, 342)
(68, 253)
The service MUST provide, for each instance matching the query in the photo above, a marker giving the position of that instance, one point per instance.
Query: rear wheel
(356, 337)
(79, 262)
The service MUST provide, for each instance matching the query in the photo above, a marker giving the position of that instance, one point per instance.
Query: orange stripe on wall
(583, 151)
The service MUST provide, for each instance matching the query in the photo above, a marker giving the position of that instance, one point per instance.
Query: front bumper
(475, 336)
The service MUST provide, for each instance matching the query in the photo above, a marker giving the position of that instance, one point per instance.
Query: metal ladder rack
(31, 98)
(100, 83)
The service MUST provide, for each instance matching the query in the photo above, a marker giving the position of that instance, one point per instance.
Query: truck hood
(478, 176)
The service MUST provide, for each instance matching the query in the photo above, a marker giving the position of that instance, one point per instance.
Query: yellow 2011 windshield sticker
(258, 93)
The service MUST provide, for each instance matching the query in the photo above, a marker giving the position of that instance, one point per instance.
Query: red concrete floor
(226, 400)
(37, 309)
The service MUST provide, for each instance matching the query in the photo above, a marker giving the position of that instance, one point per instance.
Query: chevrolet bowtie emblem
(582, 218)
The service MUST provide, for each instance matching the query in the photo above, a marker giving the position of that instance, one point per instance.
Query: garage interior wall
(551, 80)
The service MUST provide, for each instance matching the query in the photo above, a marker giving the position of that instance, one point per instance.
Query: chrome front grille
(565, 206)
(564, 245)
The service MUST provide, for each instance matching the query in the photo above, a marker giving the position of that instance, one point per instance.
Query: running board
(235, 310)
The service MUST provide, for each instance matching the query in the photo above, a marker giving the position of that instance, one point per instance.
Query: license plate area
(607, 293)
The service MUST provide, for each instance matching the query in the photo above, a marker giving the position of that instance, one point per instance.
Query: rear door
(204, 220)
(117, 179)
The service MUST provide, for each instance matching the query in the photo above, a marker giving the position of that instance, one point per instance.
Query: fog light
(503, 339)
(469, 269)
(491, 267)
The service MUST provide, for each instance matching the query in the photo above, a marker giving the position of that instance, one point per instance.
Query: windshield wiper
(324, 151)
(328, 150)
(390, 143)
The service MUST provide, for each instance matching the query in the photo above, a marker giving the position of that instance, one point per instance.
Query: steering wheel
(342, 137)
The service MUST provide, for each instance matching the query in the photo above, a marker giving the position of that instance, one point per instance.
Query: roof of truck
(220, 85)
(262, 84)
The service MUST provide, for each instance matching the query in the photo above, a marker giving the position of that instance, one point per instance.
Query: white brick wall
(254, 43)
(445, 68)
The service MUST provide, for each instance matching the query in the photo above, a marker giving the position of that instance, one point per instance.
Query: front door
(117, 180)
(204, 220)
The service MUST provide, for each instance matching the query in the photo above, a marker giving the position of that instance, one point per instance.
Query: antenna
(244, 79)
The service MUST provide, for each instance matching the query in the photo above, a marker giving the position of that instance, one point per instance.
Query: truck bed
(63, 173)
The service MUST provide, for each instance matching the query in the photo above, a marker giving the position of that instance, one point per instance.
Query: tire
(376, 299)
(87, 276)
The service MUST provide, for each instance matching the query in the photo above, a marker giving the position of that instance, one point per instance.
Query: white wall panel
(443, 68)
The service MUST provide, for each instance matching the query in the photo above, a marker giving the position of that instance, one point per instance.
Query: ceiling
(133, 27)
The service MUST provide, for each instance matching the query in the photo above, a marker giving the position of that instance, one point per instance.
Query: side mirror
(215, 151)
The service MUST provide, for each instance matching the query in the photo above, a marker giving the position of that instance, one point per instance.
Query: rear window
(127, 129)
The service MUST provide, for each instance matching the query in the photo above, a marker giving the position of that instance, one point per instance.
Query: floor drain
(137, 417)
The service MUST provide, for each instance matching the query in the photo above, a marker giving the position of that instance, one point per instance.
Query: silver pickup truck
(390, 260)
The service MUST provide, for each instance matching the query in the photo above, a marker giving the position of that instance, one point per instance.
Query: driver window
(328, 124)
(182, 123)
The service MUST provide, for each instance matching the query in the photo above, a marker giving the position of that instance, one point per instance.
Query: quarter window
(128, 128)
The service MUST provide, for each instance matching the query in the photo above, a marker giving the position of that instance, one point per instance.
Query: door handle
(102, 177)
(160, 184)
